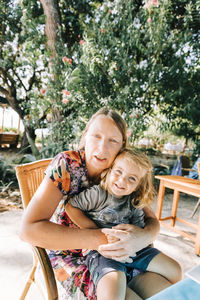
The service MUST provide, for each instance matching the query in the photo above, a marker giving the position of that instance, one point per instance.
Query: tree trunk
(52, 13)
(30, 133)
(28, 141)
(52, 24)
(25, 144)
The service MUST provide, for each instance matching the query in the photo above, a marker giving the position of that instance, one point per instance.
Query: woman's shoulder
(66, 169)
(68, 158)
(72, 155)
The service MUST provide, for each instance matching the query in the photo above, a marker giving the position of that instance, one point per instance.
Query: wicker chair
(29, 178)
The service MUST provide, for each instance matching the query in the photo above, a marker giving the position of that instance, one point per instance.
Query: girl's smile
(124, 177)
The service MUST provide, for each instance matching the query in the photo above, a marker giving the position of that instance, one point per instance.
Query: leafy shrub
(14, 130)
(7, 174)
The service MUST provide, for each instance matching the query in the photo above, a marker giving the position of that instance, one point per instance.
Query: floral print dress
(69, 173)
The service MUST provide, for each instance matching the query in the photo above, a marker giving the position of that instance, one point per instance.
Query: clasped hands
(124, 240)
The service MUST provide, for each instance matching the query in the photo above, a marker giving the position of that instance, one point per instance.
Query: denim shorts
(99, 265)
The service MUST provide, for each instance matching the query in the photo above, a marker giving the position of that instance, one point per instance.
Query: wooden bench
(9, 138)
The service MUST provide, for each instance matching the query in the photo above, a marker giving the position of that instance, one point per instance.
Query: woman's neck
(94, 175)
(95, 178)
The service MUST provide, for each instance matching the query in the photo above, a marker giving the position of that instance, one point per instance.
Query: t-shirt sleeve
(88, 200)
(58, 173)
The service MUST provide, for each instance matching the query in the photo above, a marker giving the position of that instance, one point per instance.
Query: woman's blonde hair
(144, 194)
(118, 120)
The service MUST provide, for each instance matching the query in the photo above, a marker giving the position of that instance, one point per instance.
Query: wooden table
(184, 185)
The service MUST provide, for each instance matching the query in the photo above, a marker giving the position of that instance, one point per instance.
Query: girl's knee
(112, 286)
(167, 267)
(176, 272)
(173, 270)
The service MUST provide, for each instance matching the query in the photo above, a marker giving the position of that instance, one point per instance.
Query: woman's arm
(132, 238)
(38, 230)
(79, 218)
(152, 225)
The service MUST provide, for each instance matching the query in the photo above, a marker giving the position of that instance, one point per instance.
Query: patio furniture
(184, 185)
(192, 173)
(9, 138)
(186, 289)
(29, 177)
(198, 203)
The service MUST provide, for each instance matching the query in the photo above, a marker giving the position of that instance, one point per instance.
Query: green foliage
(131, 57)
(196, 152)
(138, 57)
(22, 59)
(6, 129)
(73, 15)
(7, 174)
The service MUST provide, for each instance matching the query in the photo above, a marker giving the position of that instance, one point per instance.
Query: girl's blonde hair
(145, 192)
(118, 120)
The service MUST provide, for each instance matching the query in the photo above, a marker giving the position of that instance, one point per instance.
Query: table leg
(197, 242)
(174, 207)
(161, 194)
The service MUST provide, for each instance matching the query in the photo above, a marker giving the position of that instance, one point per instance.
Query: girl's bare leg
(112, 286)
(131, 295)
(161, 273)
(166, 266)
(148, 284)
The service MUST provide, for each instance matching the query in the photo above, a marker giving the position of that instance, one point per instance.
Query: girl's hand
(130, 240)
(112, 239)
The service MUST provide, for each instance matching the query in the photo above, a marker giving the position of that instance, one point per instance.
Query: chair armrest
(48, 273)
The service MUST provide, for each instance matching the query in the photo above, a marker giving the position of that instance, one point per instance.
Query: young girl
(126, 187)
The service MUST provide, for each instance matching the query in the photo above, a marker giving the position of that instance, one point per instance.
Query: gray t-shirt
(106, 210)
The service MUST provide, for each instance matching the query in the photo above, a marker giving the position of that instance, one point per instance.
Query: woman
(69, 173)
